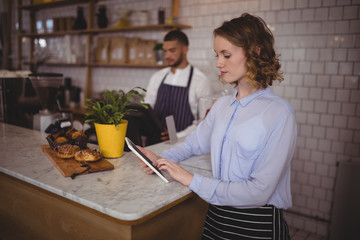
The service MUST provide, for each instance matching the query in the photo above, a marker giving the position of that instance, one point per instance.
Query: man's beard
(177, 63)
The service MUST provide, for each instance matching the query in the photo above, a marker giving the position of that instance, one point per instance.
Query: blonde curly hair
(253, 35)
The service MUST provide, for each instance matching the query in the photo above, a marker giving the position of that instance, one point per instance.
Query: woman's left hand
(152, 156)
(175, 171)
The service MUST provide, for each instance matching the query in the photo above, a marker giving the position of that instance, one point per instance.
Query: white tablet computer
(144, 158)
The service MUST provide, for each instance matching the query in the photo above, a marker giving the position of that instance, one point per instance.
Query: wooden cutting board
(69, 166)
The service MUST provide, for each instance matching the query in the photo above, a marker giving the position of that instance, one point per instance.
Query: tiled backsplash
(319, 43)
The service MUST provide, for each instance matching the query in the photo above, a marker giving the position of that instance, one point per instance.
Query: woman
(251, 137)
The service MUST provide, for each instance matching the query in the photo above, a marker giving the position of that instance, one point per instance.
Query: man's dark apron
(174, 100)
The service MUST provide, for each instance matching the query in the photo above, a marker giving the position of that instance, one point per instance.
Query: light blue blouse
(251, 142)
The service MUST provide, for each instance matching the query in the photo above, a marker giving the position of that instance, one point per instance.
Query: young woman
(251, 137)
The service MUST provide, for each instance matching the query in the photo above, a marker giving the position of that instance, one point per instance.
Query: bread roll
(66, 151)
(88, 155)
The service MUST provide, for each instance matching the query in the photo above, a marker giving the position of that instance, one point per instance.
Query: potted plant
(107, 115)
(159, 53)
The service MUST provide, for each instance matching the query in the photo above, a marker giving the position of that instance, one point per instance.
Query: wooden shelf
(59, 64)
(53, 34)
(107, 30)
(126, 65)
(75, 110)
(110, 65)
(138, 28)
(54, 4)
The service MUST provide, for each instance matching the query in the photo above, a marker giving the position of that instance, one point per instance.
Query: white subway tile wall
(319, 43)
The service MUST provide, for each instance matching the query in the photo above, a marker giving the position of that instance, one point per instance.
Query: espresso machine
(46, 86)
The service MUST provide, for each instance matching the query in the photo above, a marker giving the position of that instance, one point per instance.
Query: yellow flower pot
(111, 140)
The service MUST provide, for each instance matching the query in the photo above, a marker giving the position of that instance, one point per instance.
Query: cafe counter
(38, 202)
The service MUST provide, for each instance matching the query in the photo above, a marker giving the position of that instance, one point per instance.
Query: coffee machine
(46, 86)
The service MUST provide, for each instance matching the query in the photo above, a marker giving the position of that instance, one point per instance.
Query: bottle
(67, 88)
(80, 22)
(161, 15)
(102, 20)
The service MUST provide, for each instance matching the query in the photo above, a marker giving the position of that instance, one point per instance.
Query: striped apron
(223, 222)
(174, 100)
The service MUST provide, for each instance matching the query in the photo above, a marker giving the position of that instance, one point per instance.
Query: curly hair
(253, 35)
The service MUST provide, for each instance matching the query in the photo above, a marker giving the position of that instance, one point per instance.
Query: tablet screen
(144, 158)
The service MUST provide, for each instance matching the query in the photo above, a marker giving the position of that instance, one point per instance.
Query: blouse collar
(246, 100)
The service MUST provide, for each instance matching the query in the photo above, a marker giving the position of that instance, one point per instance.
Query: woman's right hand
(152, 156)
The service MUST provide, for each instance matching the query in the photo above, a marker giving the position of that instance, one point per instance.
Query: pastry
(61, 140)
(77, 134)
(88, 155)
(58, 133)
(66, 150)
(70, 131)
(54, 143)
(77, 137)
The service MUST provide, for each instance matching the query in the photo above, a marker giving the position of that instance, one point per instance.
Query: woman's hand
(175, 171)
(152, 156)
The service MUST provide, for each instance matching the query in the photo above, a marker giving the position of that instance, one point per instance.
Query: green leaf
(112, 107)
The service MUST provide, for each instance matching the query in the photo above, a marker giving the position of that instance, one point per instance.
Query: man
(176, 90)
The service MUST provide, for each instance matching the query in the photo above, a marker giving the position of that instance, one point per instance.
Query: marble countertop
(125, 193)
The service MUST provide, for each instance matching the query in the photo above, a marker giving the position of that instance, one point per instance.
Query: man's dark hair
(177, 35)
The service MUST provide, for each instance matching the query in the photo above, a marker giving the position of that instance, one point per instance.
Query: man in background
(176, 89)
